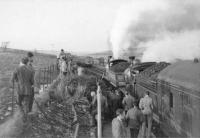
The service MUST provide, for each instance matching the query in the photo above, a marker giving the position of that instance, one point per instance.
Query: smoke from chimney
(165, 30)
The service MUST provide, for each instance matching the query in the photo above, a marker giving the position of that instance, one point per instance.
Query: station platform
(107, 132)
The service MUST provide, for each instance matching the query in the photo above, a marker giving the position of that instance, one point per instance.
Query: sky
(74, 25)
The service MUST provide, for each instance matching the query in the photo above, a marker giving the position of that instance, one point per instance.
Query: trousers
(31, 102)
(147, 124)
(23, 101)
(134, 132)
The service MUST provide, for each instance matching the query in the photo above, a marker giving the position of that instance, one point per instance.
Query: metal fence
(46, 75)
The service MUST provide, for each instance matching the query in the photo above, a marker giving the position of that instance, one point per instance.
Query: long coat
(118, 129)
(25, 80)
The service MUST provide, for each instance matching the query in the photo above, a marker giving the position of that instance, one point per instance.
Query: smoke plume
(165, 30)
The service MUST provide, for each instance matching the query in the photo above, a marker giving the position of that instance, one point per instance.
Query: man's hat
(119, 111)
(24, 60)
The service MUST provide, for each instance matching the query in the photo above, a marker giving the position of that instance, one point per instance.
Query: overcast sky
(76, 25)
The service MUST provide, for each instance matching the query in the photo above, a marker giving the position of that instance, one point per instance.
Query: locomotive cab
(135, 69)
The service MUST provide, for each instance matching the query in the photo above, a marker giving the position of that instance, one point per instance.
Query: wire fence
(45, 77)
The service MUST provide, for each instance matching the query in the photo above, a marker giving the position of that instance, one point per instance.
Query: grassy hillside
(101, 54)
(10, 60)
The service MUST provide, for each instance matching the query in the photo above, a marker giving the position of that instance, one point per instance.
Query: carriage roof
(182, 73)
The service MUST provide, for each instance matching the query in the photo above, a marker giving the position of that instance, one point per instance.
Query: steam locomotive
(175, 90)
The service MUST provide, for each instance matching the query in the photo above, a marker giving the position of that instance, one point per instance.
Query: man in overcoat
(24, 79)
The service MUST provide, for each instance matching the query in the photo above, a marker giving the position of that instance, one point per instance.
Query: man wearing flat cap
(24, 79)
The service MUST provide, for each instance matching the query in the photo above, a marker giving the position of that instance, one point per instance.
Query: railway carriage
(175, 90)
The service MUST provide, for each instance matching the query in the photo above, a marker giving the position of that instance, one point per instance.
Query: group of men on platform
(136, 115)
(131, 114)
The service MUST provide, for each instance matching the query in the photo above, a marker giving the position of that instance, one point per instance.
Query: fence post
(40, 76)
(50, 74)
(13, 94)
(44, 78)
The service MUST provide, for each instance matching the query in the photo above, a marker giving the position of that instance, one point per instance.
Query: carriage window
(186, 99)
(171, 100)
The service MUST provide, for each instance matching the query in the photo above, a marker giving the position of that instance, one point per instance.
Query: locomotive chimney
(132, 60)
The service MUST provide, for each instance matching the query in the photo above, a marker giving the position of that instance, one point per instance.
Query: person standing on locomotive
(146, 105)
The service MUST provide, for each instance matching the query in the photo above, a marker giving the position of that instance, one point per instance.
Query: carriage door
(186, 118)
(167, 103)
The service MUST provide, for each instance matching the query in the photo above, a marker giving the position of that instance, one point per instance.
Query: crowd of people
(128, 113)
(136, 116)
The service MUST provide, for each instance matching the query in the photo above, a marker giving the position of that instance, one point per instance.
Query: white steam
(166, 29)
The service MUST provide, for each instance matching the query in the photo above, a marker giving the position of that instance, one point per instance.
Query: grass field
(9, 60)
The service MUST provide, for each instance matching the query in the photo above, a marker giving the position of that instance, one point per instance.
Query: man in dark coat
(128, 101)
(135, 119)
(25, 80)
(36, 81)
